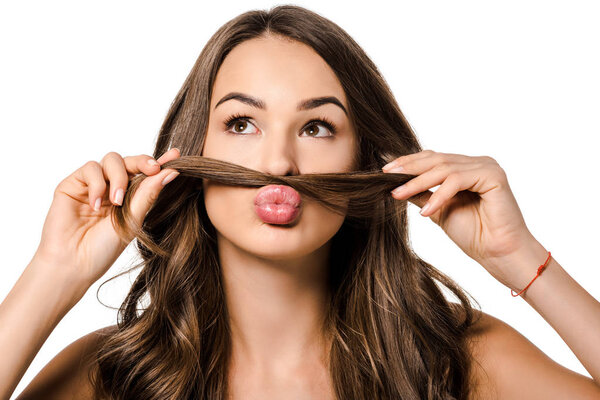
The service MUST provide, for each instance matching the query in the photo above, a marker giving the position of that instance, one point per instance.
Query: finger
(91, 175)
(427, 180)
(453, 184)
(169, 155)
(428, 157)
(420, 199)
(116, 167)
(142, 163)
(148, 192)
(116, 174)
(405, 158)
(418, 166)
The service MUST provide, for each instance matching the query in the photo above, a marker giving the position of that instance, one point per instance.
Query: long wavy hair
(394, 333)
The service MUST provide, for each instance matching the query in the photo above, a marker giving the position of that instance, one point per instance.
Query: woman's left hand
(474, 205)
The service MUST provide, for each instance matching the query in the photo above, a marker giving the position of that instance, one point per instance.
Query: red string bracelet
(539, 271)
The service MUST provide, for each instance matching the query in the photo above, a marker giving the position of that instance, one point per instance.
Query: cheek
(227, 207)
(231, 211)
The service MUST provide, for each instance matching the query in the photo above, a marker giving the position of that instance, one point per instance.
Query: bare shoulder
(66, 375)
(506, 365)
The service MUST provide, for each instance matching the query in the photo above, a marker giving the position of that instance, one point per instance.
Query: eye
(322, 122)
(238, 123)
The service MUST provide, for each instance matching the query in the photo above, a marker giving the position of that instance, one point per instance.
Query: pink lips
(277, 204)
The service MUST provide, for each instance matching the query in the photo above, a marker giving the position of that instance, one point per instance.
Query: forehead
(279, 70)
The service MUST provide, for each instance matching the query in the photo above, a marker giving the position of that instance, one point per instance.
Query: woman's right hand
(80, 241)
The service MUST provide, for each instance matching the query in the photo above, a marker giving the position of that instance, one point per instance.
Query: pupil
(240, 124)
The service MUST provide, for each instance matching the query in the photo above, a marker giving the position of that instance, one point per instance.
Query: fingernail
(388, 165)
(119, 196)
(398, 189)
(424, 209)
(97, 204)
(169, 177)
(152, 162)
(397, 169)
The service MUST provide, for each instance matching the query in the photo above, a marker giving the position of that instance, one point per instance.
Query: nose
(278, 154)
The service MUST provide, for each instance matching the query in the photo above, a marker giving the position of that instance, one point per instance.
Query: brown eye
(240, 124)
(313, 130)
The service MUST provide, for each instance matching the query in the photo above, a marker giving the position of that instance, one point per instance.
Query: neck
(277, 308)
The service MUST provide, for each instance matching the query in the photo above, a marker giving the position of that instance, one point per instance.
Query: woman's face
(276, 138)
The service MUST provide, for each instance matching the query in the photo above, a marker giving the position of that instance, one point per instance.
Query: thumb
(148, 192)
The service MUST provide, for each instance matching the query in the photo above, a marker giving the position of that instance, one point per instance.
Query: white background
(517, 81)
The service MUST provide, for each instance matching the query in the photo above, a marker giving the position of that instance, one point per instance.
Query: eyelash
(327, 123)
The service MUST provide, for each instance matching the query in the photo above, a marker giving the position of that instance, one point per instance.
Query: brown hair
(394, 334)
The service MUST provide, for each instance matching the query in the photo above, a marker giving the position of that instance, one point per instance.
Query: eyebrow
(303, 105)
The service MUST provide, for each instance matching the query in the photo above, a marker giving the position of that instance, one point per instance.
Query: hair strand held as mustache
(357, 194)
(354, 194)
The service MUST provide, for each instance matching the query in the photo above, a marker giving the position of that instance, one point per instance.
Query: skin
(275, 275)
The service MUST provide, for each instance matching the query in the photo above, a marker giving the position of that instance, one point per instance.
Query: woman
(252, 299)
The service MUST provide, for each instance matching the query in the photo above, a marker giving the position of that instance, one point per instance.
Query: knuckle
(501, 173)
(453, 177)
(59, 188)
(479, 164)
(97, 185)
(112, 154)
(489, 159)
(440, 157)
(152, 196)
(91, 165)
(146, 191)
(443, 166)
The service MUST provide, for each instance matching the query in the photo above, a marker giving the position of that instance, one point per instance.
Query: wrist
(521, 267)
(57, 279)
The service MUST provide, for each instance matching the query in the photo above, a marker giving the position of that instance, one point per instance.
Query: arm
(476, 208)
(567, 307)
(79, 243)
(34, 306)
(513, 366)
